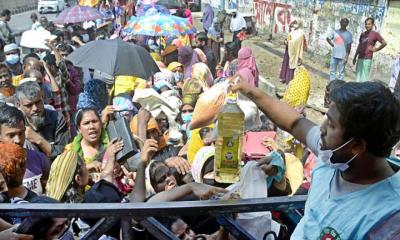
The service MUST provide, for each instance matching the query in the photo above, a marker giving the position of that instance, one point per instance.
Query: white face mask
(12, 58)
(326, 156)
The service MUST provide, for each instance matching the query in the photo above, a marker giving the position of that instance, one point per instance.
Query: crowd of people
(55, 147)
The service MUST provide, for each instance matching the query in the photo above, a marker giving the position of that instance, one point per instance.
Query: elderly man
(46, 130)
(13, 59)
(12, 130)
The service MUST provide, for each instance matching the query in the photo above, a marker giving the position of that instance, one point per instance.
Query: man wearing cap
(13, 60)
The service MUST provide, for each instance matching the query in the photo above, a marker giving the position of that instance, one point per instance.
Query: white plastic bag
(253, 185)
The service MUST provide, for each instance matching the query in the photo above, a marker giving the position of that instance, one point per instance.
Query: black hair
(371, 112)
(334, 84)
(5, 12)
(50, 59)
(232, 48)
(152, 172)
(10, 116)
(202, 36)
(34, 15)
(30, 55)
(81, 112)
(63, 47)
(370, 19)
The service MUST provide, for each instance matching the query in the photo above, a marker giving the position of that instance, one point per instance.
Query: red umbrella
(77, 14)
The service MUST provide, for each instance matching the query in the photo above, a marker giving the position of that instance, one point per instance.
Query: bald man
(50, 89)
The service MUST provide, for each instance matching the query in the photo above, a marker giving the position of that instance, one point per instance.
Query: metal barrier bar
(102, 226)
(158, 230)
(234, 228)
(182, 208)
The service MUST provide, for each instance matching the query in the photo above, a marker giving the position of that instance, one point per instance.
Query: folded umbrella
(77, 14)
(115, 57)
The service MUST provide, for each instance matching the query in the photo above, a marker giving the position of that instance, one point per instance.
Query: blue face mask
(178, 76)
(12, 58)
(187, 117)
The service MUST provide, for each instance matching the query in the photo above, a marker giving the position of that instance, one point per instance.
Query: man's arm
(279, 112)
(329, 40)
(61, 137)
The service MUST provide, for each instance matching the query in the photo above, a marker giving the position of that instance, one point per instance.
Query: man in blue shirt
(353, 186)
(341, 41)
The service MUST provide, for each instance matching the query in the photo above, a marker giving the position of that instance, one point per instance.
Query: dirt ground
(269, 64)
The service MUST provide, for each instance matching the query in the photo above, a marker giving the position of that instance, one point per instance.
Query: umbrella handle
(110, 100)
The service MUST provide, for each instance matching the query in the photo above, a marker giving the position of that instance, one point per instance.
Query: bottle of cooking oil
(228, 147)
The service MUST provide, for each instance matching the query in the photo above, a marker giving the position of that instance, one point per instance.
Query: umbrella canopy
(151, 9)
(159, 25)
(77, 14)
(35, 38)
(90, 3)
(115, 57)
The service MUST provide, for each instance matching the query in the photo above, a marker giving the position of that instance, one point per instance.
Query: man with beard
(201, 42)
(46, 130)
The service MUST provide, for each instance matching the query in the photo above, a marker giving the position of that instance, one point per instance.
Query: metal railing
(110, 213)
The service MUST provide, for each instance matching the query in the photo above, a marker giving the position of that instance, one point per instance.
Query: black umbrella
(115, 57)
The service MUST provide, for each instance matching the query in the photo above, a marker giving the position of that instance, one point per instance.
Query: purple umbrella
(77, 14)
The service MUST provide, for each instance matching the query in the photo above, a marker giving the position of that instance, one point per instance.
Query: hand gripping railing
(144, 212)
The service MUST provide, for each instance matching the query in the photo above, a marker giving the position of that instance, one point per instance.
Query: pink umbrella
(77, 14)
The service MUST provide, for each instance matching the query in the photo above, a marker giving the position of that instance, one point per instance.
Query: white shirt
(237, 23)
(36, 25)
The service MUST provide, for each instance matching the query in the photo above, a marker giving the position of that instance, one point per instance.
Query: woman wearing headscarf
(295, 46)
(202, 73)
(187, 57)
(247, 66)
(208, 16)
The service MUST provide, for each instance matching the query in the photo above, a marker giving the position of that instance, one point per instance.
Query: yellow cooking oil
(228, 146)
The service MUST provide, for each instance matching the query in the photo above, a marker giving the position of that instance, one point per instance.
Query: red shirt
(368, 40)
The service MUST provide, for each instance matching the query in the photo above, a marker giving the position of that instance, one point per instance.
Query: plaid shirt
(62, 77)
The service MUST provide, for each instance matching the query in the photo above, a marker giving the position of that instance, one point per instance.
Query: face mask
(85, 37)
(326, 156)
(187, 117)
(12, 58)
(178, 76)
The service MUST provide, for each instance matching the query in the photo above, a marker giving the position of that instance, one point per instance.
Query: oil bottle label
(230, 152)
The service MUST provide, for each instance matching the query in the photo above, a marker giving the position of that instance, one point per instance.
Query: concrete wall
(18, 6)
(322, 16)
